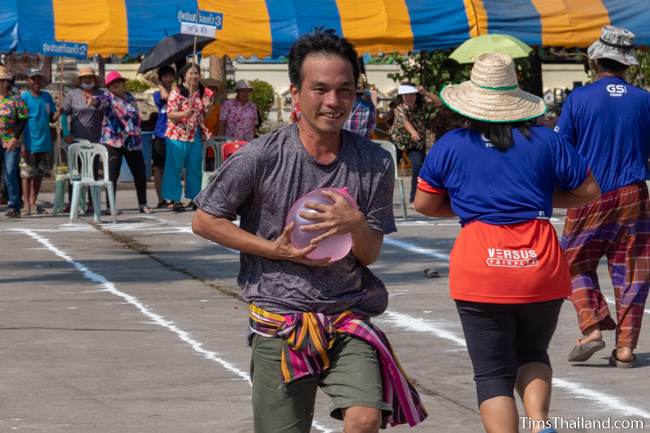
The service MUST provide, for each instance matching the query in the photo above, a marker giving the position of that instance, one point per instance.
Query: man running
(310, 319)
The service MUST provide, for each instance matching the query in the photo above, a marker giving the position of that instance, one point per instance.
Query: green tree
(383, 59)
(136, 86)
(433, 71)
(263, 96)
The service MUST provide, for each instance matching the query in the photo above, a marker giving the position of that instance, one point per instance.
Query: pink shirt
(241, 119)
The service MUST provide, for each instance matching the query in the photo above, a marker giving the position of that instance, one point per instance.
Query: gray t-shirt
(85, 121)
(261, 182)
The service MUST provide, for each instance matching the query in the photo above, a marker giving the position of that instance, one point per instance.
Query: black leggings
(135, 161)
(502, 337)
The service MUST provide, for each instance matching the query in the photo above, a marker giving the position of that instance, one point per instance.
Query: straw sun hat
(492, 94)
(85, 71)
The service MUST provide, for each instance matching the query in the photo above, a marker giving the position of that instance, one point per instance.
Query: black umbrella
(172, 49)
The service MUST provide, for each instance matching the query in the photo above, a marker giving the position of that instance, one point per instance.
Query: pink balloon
(335, 247)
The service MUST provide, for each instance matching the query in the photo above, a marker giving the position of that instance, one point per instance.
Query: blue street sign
(208, 18)
(65, 49)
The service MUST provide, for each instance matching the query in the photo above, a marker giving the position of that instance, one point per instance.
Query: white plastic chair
(390, 147)
(60, 182)
(214, 144)
(81, 157)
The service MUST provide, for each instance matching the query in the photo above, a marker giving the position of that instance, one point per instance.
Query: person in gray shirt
(81, 104)
(82, 116)
(285, 289)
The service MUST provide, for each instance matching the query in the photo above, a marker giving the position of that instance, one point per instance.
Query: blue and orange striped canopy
(266, 28)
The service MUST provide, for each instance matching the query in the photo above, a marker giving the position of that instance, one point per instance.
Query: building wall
(562, 76)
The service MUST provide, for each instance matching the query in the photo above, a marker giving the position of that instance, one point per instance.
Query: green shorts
(353, 379)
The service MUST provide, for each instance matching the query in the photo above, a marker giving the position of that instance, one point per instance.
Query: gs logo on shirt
(616, 89)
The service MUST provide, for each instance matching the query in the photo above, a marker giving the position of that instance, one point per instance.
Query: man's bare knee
(359, 419)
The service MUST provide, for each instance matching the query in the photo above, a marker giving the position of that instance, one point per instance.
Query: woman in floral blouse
(408, 131)
(186, 108)
(122, 136)
(13, 118)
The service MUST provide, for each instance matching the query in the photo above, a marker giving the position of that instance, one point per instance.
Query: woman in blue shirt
(508, 276)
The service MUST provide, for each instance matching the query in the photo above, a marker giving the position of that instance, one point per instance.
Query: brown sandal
(615, 362)
(584, 351)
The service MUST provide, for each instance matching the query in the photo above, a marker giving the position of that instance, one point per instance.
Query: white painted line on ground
(427, 223)
(74, 225)
(411, 323)
(132, 226)
(608, 400)
(154, 218)
(438, 255)
(61, 228)
(156, 319)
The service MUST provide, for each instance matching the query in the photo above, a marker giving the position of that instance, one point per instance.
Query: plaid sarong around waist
(626, 205)
(310, 336)
(624, 210)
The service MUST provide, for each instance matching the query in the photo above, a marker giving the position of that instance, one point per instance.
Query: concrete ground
(137, 327)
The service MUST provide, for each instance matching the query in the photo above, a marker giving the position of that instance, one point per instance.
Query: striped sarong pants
(616, 226)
